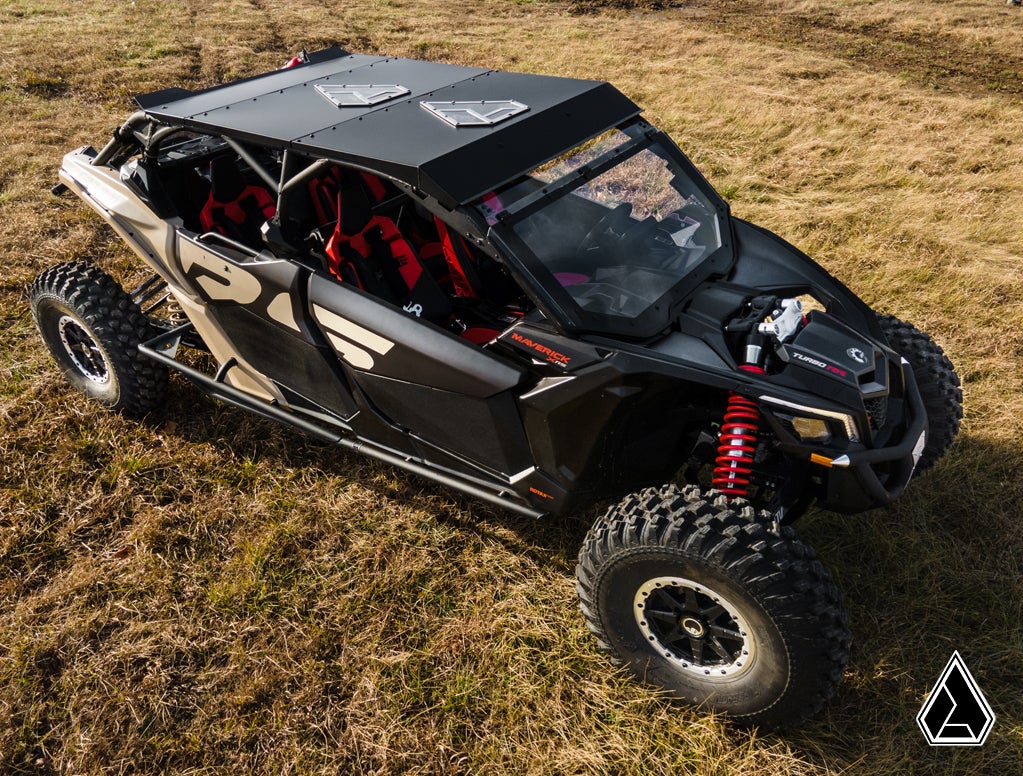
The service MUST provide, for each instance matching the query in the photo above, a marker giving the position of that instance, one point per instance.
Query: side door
(254, 306)
(451, 396)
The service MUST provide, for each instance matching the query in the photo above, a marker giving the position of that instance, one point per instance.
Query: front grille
(877, 410)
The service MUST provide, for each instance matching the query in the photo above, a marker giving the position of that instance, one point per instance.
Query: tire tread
(937, 381)
(118, 324)
(781, 572)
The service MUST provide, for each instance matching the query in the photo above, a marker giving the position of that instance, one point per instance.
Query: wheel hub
(83, 350)
(694, 627)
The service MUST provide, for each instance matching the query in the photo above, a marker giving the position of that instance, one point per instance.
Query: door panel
(259, 305)
(450, 392)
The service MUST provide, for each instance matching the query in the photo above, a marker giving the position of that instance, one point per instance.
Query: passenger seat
(235, 208)
(370, 252)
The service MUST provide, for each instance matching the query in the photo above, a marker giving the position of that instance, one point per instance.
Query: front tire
(93, 330)
(938, 383)
(696, 596)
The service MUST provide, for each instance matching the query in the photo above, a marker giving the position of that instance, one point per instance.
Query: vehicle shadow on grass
(922, 578)
(934, 573)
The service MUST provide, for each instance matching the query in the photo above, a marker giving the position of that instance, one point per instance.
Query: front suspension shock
(737, 443)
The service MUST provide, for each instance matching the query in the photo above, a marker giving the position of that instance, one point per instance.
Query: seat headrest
(226, 181)
(354, 209)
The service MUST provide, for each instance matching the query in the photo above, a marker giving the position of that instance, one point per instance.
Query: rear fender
(102, 189)
(156, 243)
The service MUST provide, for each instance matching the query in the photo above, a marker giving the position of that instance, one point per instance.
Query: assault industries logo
(956, 713)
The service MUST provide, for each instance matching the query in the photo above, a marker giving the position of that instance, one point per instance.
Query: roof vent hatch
(475, 113)
(360, 95)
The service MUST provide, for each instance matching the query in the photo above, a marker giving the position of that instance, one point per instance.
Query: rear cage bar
(133, 135)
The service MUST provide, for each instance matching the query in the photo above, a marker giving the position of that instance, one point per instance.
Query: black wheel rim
(83, 350)
(694, 627)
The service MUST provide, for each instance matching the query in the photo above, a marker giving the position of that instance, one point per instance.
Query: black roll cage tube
(133, 136)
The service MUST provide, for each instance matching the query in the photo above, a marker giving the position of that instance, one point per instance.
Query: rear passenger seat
(235, 208)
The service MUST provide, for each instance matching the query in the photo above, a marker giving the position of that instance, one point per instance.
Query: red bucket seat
(369, 251)
(235, 208)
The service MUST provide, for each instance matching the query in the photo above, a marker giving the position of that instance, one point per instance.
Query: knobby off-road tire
(93, 329)
(695, 594)
(938, 383)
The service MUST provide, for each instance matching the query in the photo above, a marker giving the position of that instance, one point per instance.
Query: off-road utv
(515, 286)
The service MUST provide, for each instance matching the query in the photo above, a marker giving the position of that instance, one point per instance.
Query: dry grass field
(205, 592)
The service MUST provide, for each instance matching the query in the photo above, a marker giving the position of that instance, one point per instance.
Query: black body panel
(487, 431)
(455, 395)
(377, 337)
(769, 264)
(308, 370)
(624, 421)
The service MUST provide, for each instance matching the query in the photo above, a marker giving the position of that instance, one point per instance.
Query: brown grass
(207, 593)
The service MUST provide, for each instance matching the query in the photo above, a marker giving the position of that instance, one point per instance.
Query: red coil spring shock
(738, 443)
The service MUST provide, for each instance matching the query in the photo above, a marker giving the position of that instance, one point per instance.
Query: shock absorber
(768, 318)
(737, 443)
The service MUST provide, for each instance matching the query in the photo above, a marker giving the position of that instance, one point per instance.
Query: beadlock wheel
(704, 599)
(695, 628)
(83, 350)
(93, 330)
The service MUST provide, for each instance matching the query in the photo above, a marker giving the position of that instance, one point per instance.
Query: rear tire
(695, 595)
(938, 383)
(93, 330)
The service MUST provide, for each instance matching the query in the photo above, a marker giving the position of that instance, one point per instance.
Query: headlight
(810, 429)
(813, 426)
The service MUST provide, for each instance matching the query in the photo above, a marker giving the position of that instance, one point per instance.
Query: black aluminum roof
(398, 137)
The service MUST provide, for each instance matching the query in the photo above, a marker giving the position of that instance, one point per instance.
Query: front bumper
(860, 478)
(865, 479)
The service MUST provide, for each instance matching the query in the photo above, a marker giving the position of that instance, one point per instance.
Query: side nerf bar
(163, 347)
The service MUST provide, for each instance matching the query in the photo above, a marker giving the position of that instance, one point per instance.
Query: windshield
(615, 226)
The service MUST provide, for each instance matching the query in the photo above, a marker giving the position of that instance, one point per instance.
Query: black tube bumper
(865, 479)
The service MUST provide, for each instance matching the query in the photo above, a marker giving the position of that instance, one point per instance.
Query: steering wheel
(616, 220)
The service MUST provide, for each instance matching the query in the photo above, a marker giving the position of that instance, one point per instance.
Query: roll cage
(282, 171)
(285, 172)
